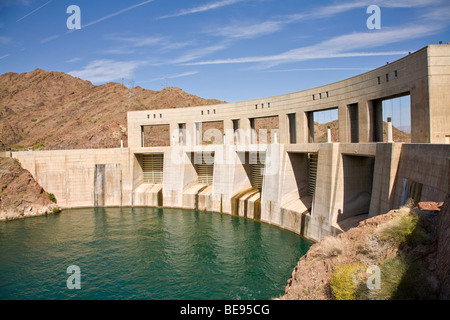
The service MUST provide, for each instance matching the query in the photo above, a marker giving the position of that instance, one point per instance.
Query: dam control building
(265, 160)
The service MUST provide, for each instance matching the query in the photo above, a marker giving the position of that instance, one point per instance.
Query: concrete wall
(70, 175)
(86, 178)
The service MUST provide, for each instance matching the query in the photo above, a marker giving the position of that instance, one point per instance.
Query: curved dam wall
(310, 188)
(353, 182)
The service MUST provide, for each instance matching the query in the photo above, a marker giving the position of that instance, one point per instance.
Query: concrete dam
(280, 175)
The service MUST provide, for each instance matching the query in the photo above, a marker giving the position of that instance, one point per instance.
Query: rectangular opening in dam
(236, 131)
(313, 159)
(357, 189)
(246, 201)
(182, 134)
(265, 130)
(399, 110)
(152, 167)
(155, 136)
(304, 167)
(204, 166)
(353, 116)
(256, 162)
(292, 128)
(253, 163)
(318, 123)
(212, 132)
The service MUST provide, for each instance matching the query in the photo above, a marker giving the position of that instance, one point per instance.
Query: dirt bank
(410, 247)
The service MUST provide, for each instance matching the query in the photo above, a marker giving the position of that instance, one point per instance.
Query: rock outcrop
(20, 195)
(411, 246)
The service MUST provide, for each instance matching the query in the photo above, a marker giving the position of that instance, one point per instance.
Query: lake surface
(146, 253)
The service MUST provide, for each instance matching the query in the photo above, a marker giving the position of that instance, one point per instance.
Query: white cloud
(438, 14)
(339, 47)
(249, 31)
(121, 50)
(5, 40)
(73, 60)
(177, 45)
(114, 14)
(254, 30)
(408, 3)
(129, 44)
(179, 75)
(199, 53)
(106, 70)
(5, 3)
(321, 69)
(4, 56)
(56, 36)
(202, 8)
(133, 41)
(275, 24)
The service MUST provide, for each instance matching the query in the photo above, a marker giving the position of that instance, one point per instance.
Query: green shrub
(39, 145)
(17, 147)
(403, 229)
(402, 279)
(51, 197)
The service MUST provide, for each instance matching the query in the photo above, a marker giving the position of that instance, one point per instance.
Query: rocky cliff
(20, 195)
(410, 247)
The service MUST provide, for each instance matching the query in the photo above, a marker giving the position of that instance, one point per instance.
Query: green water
(146, 253)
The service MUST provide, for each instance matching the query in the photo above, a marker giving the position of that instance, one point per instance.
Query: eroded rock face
(20, 195)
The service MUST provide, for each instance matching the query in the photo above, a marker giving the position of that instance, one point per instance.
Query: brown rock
(20, 195)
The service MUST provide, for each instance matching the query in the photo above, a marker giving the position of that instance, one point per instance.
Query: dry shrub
(346, 280)
(330, 247)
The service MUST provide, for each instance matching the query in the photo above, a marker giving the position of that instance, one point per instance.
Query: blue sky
(231, 50)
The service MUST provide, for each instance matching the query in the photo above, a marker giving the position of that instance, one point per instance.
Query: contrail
(34, 10)
(116, 13)
(206, 7)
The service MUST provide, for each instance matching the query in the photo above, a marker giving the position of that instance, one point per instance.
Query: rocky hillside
(53, 110)
(20, 195)
(320, 132)
(409, 246)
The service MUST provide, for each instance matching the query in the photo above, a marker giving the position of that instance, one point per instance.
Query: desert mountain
(320, 132)
(53, 110)
(20, 195)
